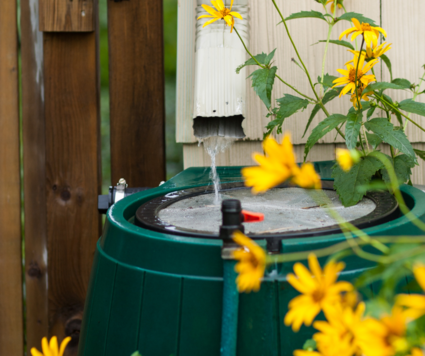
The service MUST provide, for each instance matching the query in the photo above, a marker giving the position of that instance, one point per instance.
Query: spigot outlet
(232, 221)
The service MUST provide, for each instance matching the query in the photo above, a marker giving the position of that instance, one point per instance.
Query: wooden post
(62, 165)
(137, 111)
(72, 174)
(67, 16)
(11, 323)
(35, 175)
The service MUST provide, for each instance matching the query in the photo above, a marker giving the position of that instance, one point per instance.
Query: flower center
(225, 12)
(352, 74)
(366, 27)
(318, 295)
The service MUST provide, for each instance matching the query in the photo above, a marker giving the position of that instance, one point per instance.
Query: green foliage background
(174, 151)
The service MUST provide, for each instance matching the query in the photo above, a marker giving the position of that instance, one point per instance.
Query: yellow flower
(319, 289)
(306, 177)
(277, 166)
(415, 303)
(221, 12)
(370, 33)
(338, 335)
(416, 351)
(338, 2)
(308, 353)
(51, 349)
(355, 98)
(349, 75)
(385, 337)
(251, 265)
(347, 158)
(373, 52)
(349, 299)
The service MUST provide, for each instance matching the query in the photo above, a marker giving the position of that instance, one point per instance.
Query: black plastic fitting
(232, 219)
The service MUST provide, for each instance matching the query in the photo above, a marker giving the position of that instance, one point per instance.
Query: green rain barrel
(161, 293)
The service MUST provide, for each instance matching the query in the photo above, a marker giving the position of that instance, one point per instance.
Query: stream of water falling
(214, 145)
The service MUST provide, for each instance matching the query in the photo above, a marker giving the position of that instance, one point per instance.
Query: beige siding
(240, 154)
(407, 55)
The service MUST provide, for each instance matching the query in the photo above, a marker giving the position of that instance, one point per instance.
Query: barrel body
(162, 294)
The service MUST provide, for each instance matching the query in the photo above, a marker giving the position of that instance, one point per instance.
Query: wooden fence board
(34, 173)
(11, 323)
(72, 174)
(66, 15)
(137, 110)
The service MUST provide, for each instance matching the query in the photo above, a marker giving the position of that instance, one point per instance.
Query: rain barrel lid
(290, 212)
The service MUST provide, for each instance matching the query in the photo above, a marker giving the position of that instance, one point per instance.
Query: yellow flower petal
(54, 348)
(211, 11)
(63, 346)
(356, 23)
(210, 22)
(236, 14)
(220, 5)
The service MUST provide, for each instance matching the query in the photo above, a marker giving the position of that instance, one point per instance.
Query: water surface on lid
(285, 209)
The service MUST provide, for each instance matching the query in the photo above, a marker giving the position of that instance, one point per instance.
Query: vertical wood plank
(137, 111)
(11, 324)
(67, 15)
(34, 173)
(72, 174)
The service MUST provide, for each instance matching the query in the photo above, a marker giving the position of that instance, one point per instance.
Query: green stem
(324, 57)
(394, 108)
(417, 90)
(319, 101)
(356, 78)
(296, 50)
(365, 137)
(389, 120)
(262, 66)
(345, 245)
(395, 188)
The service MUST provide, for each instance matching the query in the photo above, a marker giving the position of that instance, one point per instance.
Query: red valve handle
(250, 217)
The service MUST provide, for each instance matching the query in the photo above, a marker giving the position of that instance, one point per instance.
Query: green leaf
(402, 83)
(370, 112)
(412, 106)
(322, 129)
(328, 82)
(261, 58)
(396, 138)
(288, 105)
(339, 43)
(330, 95)
(382, 86)
(269, 57)
(420, 153)
(352, 129)
(374, 185)
(262, 82)
(374, 140)
(136, 354)
(388, 64)
(349, 15)
(306, 14)
(403, 169)
(309, 345)
(346, 183)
